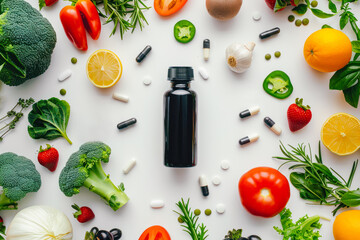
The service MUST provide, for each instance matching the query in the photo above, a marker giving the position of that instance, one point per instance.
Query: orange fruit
(104, 68)
(347, 225)
(327, 50)
(341, 134)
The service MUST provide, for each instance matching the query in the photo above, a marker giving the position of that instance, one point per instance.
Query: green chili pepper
(278, 84)
(184, 31)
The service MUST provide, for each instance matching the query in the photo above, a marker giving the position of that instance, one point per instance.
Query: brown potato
(223, 9)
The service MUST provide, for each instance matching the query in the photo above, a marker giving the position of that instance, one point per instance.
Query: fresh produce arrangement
(273, 49)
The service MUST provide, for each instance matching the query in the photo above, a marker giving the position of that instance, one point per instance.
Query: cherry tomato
(168, 7)
(155, 233)
(264, 191)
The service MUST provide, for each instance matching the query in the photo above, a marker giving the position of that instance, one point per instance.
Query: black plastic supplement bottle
(180, 119)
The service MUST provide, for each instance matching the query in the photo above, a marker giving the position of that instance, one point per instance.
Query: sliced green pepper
(184, 31)
(278, 84)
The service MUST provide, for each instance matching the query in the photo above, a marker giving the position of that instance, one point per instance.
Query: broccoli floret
(84, 169)
(18, 176)
(27, 40)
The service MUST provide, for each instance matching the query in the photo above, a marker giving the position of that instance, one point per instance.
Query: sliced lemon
(104, 68)
(341, 134)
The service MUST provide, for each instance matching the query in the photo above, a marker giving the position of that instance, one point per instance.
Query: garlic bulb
(39, 223)
(239, 56)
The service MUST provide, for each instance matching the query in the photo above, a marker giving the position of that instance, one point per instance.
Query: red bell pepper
(74, 27)
(155, 233)
(90, 17)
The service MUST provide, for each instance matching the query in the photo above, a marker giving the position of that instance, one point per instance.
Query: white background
(94, 115)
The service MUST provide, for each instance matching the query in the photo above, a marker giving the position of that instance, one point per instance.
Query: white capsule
(250, 112)
(216, 180)
(203, 73)
(64, 75)
(120, 97)
(204, 185)
(147, 80)
(272, 125)
(225, 165)
(256, 16)
(131, 164)
(157, 204)
(220, 208)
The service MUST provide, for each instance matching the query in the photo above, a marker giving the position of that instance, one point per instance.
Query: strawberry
(298, 115)
(48, 157)
(83, 214)
(2, 227)
(43, 3)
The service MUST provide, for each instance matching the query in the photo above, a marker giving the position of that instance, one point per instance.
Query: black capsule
(254, 237)
(94, 230)
(206, 43)
(116, 233)
(126, 123)
(269, 122)
(269, 33)
(104, 235)
(205, 191)
(143, 54)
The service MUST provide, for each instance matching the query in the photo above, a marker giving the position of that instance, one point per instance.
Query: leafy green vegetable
(356, 46)
(18, 177)
(16, 116)
(316, 182)
(352, 95)
(48, 119)
(300, 9)
(234, 234)
(332, 7)
(345, 77)
(319, 13)
(304, 229)
(196, 230)
(84, 169)
(27, 40)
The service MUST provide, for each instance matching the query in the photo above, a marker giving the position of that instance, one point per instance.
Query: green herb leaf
(352, 95)
(48, 119)
(332, 7)
(41, 4)
(343, 21)
(356, 56)
(356, 46)
(352, 198)
(345, 77)
(321, 14)
(326, 26)
(279, 4)
(300, 9)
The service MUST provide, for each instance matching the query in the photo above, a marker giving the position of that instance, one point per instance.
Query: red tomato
(264, 191)
(155, 233)
(168, 7)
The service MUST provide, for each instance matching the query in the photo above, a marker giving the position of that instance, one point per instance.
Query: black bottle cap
(185, 74)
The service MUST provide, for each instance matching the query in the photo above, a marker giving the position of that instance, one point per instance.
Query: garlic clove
(239, 56)
(250, 46)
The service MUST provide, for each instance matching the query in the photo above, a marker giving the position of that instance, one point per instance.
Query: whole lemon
(347, 226)
(327, 50)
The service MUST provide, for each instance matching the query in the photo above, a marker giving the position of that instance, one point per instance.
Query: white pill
(220, 208)
(216, 180)
(131, 164)
(157, 204)
(147, 80)
(203, 73)
(64, 75)
(256, 16)
(120, 97)
(225, 165)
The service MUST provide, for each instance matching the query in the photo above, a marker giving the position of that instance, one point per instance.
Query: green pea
(314, 3)
(74, 60)
(62, 92)
(180, 220)
(298, 22)
(277, 54)
(305, 21)
(267, 56)
(208, 212)
(197, 212)
(291, 18)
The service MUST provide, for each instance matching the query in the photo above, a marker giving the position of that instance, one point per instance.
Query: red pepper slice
(74, 27)
(90, 17)
(155, 233)
(168, 7)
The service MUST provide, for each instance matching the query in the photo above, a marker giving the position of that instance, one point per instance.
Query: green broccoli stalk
(18, 176)
(27, 40)
(84, 169)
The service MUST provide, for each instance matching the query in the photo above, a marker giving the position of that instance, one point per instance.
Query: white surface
(94, 115)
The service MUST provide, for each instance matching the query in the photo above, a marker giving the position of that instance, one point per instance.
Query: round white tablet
(220, 208)
(225, 165)
(256, 16)
(216, 180)
(147, 80)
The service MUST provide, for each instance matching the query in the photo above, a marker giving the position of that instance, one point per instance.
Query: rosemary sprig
(16, 116)
(316, 182)
(196, 231)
